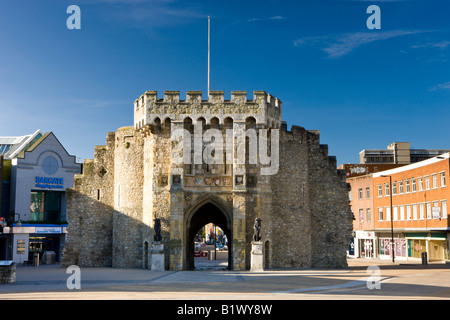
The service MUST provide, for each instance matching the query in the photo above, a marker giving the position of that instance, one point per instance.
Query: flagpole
(209, 53)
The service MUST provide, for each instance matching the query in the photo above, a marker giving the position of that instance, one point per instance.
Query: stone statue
(257, 230)
(157, 237)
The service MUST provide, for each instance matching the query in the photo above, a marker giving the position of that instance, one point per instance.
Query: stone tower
(191, 162)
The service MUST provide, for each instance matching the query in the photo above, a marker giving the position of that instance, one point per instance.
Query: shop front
(40, 175)
(411, 246)
(28, 240)
(435, 244)
(385, 247)
(366, 244)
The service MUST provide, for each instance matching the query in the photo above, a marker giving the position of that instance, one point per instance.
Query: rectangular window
(388, 213)
(367, 193)
(361, 215)
(395, 213)
(427, 182)
(380, 214)
(380, 191)
(408, 212)
(414, 209)
(368, 214)
(360, 194)
(444, 209)
(442, 179)
(386, 189)
(45, 206)
(400, 187)
(436, 215)
(408, 186)
(394, 188)
(350, 195)
(413, 185)
(422, 211)
(435, 181)
(420, 182)
(428, 210)
(402, 213)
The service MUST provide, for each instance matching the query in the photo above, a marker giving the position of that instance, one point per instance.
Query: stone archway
(207, 211)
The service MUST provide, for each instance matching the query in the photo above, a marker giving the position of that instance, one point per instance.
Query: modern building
(398, 153)
(360, 169)
(36, 171)
(420, 223)
(417, 196)
(359, 177)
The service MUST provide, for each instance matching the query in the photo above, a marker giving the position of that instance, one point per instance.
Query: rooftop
(11, 146)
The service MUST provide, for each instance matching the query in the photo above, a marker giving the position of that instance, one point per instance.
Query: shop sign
(49, 183)
(365, 234)
(48, 230)
(20, 246)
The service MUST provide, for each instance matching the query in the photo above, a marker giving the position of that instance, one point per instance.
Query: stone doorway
(204, 213)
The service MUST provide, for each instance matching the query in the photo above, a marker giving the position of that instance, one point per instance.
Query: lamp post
(12, 219)
(391, 217)
(19, 223)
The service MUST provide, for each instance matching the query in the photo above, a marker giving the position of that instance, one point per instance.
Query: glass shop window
(45, 206)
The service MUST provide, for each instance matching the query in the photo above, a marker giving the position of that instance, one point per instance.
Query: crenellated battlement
(264, 108)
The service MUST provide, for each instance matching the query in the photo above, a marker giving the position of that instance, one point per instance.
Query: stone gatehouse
(261, 169)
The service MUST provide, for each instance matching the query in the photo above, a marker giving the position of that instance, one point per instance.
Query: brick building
(359, 176)
(419, 218)
(361, 202)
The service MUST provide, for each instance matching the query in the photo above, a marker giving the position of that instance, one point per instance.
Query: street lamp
(392, 217)
(19, 223)
(12, 219)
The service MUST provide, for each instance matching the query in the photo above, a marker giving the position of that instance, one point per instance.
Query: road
(363, 280)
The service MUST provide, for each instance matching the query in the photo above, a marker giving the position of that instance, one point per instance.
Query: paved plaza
(364, 279)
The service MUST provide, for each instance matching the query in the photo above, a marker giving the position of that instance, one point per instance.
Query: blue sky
(360, 88)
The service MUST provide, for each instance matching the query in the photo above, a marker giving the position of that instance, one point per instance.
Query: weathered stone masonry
(306, 218)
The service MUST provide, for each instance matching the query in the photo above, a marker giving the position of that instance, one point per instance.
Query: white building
(39, 172)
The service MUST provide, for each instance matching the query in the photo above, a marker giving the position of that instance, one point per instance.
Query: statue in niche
(257, 230)
(157, 237)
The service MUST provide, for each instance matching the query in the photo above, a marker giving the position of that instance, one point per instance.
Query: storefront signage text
(48, 230)
(49, 183)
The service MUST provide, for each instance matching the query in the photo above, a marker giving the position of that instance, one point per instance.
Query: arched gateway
(208, 210)
(164, 167)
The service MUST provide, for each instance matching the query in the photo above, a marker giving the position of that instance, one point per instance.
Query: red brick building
(418, 215)
(361, 196)
(361, 203)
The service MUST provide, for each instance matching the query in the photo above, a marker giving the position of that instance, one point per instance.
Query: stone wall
(129, 231)
(8, 274)
(331, 216)
(304, 207)
(90, 210)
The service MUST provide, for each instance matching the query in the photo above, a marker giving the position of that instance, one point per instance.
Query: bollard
(424, 258)
(36, 259)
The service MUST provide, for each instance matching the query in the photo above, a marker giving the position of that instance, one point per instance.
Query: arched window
(167, 125)
(215, 123)
(188, 124)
